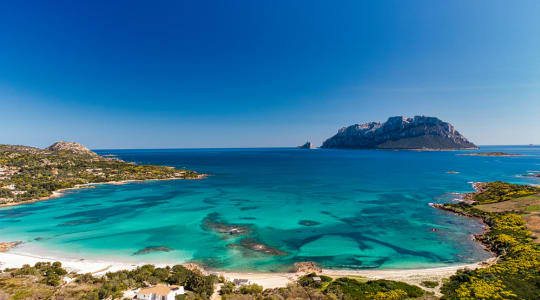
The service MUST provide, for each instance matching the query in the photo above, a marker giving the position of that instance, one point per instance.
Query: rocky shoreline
(6, 246)
(492, 154)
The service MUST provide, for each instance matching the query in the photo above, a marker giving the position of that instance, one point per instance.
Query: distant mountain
(400, 132)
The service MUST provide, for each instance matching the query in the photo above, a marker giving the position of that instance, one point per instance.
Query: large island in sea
(400, 132)
(30, 174)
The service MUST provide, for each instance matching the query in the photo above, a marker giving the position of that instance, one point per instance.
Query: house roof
(160, 290)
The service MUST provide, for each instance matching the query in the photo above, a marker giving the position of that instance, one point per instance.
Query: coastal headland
(29, 174)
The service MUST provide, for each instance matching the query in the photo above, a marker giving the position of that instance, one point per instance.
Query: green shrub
(375, 289)
(227, 288)
(308, 281)
(252, 289)
(429, 284)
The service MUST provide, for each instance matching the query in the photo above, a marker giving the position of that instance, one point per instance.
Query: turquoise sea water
(369, 209)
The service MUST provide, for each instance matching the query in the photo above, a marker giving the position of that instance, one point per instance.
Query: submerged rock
(80, 222)
(151, 249)
(309, 223)
(254, 245)
(214, 223)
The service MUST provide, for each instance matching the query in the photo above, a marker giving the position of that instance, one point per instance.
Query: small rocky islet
(307, 145)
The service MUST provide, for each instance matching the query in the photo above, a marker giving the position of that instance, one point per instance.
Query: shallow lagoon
(342, 208)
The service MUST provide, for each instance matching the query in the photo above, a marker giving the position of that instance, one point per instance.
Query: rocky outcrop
(306, 267)
(5, 246)
(70, 146)
(400, 132)
(307, 145)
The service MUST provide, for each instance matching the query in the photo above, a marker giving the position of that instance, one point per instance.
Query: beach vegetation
(347, 288)
(45, 276)
(309, 281)
(252, 289)
(326, 288)
(429, 284)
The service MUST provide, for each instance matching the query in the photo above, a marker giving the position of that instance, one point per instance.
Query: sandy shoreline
(12, 259)
(61, 192)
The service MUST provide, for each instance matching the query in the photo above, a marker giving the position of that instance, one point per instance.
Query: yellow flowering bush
(516, 275)
(390, 295)
(482, 289)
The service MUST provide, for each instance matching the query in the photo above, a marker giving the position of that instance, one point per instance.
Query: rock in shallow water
(309, 223)
(151, 249)
(214, 223)
(254, 245)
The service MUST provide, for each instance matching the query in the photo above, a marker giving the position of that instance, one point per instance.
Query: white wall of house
(170, 296)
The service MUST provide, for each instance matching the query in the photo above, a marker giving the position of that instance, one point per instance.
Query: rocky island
(307, 145)
(30, 174)
(400, 132)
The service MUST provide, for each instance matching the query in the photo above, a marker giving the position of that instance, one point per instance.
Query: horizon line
(295, 147)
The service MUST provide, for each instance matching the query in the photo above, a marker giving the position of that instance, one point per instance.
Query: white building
(160, 292)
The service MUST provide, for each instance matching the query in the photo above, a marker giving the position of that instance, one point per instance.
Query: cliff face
(400, 133)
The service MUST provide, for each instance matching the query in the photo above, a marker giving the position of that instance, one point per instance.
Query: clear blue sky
(153, 74)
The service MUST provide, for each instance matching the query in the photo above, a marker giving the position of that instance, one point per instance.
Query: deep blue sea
(353, 209)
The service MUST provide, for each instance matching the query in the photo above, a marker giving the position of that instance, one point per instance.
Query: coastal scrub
(28, 174)
(516, 274)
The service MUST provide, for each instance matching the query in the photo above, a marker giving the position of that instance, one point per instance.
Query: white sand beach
(267, 280)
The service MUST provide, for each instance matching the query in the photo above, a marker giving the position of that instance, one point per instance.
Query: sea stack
(307, 145)
(400, 132)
